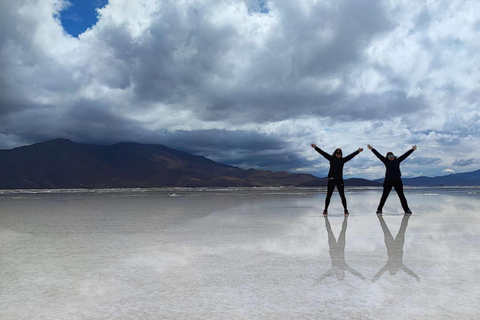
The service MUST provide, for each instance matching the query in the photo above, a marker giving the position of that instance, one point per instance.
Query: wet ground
(238, 254)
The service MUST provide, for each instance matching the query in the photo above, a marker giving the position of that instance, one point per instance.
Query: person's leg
(400, 238)
(387, 236)
(398, 185)
(343, 233)
(341, 191)
(330, 187)
(387, 187)
(332, 242)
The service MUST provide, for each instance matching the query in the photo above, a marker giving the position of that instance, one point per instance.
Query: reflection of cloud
(394, 250)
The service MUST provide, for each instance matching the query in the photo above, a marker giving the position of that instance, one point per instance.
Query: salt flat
(238, 254)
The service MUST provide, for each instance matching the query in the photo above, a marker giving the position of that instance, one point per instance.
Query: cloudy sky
(249, 83)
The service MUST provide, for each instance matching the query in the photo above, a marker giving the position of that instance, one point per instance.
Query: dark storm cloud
(351, 24)
(201, 140)
(13, 48)
(181, 54)
(263, 105)
(95, 122)
(273, 87)
(425, 161)
(281, 161)
(183, 59)
(463, 162)
(245, 149)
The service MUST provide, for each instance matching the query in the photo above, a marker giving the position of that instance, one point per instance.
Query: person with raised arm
(393, 177)
(335, 174)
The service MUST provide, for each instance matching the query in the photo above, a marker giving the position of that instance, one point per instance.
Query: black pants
(387, 187)
(330, 187)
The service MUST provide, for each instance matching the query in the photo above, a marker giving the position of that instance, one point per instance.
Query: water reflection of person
(337, 253)
(394, 249)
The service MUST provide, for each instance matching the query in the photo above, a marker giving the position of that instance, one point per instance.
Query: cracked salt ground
(238, 254)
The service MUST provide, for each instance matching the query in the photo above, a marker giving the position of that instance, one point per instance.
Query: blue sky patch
(263, 6)
(259, 6)
(80, 15)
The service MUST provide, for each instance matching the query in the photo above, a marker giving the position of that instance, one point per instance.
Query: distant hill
(61, 163)
(456, 179)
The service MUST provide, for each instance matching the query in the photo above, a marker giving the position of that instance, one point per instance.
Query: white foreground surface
(238, 254)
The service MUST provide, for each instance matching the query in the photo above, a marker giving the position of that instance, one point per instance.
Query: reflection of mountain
(394, 249)
(456, 179)
(61, 163)
(337, 253)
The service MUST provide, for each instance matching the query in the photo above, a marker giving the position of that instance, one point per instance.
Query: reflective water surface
(238, 254)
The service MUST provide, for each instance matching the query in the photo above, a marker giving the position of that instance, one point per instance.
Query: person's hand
(370, 147)
(414, 147)
(313, 145)
(360, 149)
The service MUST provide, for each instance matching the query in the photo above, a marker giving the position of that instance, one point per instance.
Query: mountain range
(456, 179)
(61, 163)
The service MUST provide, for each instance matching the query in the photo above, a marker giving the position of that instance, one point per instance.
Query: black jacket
(336, 164)
(392, 166)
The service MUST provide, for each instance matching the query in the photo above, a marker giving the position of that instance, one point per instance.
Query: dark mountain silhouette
(456, 179)
(61, 163)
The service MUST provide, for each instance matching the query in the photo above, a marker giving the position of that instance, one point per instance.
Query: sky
(250, 83)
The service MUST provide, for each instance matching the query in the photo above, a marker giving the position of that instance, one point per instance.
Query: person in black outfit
(392, 177)
(335, 175)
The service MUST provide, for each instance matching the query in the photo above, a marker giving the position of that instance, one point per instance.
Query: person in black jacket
(393, 177)
(335, 175)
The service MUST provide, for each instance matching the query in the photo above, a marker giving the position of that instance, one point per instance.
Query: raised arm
(350, 156)
(323, 153)
(375, 152)
(406, 154)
